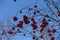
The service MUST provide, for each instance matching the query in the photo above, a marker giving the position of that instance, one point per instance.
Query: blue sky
(9, 8)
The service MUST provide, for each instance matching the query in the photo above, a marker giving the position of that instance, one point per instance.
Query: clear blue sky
(9, 8)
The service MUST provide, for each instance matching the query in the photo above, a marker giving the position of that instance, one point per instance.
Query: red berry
(48, 31)
(54, 30)
(25, 17)
(26, 21)
(52, 38)
(10, 32)
(45, 22)
(15, 18)
(58, 14)
(49, 34)
(41, 29)
(20, 24)
(42, 25)
(34, 26)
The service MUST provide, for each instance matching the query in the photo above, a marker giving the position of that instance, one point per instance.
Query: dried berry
(15, 18)
(42, 25)
(10, 32)
(45, 22)
(54, 30)
(20, 24)
(48, 31)
(42, 29)
(49, 34)
(52, 38)
(58, 14)
(25, 17)
(26, 21)
(34, 26)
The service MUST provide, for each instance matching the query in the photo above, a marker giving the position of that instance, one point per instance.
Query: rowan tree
(43, 21)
